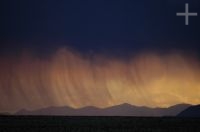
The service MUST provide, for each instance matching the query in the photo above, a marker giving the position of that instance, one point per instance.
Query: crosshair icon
(187, 14)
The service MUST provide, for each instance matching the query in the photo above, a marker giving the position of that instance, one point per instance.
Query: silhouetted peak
(180, 105)
(125, 105)
(118, 110)
(192, 111)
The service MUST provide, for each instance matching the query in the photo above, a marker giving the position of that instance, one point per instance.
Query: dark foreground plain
(97, 124)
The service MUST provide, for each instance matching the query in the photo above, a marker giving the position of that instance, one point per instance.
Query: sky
(99, 53)
(97, 25)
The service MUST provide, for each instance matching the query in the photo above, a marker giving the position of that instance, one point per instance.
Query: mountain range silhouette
(118, 110)
(193, 111)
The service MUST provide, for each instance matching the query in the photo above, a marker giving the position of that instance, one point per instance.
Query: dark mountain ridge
(192, 111)
(118, 110)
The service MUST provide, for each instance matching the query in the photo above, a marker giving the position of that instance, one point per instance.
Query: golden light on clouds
(68, 78)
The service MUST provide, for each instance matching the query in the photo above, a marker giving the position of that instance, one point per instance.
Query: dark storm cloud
(96, 25)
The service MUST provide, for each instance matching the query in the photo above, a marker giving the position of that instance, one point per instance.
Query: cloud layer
(69, 78)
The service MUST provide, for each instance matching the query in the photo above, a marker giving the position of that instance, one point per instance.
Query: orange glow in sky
(71, 79)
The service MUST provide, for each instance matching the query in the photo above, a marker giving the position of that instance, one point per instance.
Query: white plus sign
(187, 14)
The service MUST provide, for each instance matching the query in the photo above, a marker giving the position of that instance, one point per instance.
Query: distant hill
(48, 111)
(118, 110)
(174, 110)
(4, 113)
(193, 111)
